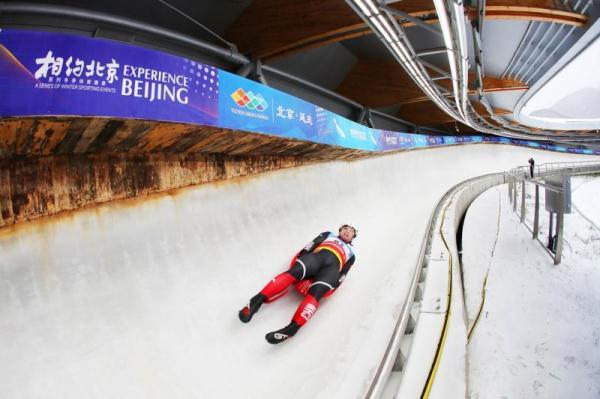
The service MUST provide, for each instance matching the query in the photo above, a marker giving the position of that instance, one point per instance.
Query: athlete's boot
(305, 311)
(249, 310)
(276, 337)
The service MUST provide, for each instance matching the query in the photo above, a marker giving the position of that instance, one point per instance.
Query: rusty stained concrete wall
(53, 164)
(38, 186)
(75, 135)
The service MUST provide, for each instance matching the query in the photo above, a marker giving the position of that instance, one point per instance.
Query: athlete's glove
(303, 251)
(340, 280)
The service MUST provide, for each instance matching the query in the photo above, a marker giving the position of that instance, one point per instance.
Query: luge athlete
(323, 264)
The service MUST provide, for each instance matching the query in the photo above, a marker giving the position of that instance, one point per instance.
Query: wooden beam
(481, 110)
(533, 10)
(379, 83)
(493, 84)
(428, 113)
(275, 28)
(456, 128)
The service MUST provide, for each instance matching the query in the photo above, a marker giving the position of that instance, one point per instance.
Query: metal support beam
(245, 69)
(253, 69)
(395, 119)
(523, 201)
(362, 115)
(536, 216)
(370, 120)
(305, 83)
(432, 51)
(408, 17)
(259, 75)
(551, 229)
(230, 54)
(436, 69)
(560, 220)
(443, 90)
(515, 197)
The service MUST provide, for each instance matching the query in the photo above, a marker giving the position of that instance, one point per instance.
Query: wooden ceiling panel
(427, 113)
(378, 83)
(424, 113)
(276, 28)
(270, 28)
(381, 83)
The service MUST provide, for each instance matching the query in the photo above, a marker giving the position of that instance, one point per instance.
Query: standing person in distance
(531, 165)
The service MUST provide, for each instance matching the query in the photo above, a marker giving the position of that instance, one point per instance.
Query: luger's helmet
(350, 226)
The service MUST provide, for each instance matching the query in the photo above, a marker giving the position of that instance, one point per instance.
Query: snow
(538, 335)
(140, 298)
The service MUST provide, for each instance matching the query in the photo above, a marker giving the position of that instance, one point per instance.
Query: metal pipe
(362, 115)
(551, 231)
(231, 54)
(370, 120)
(543, 51)
(245, 70)
(538, 70)
(513, 59)
(332, 94)
(410, 18)
(302, 82)
(431, 51)
(536, 216)
(432, 129)
(515, 196)
(560, 220)
(436, 68)
(259, 73)
(394, 118)
(520, 67)
(188, 17)
(531, 58)
(63, 11)
(523, 201)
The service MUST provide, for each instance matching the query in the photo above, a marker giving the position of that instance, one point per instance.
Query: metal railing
(517, 180)
(545, 169)
(391, 371)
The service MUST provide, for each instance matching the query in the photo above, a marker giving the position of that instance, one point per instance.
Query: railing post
(515, 196)
(523, 201)
(536, 216)
(551, 226)
(510, 193)
(560, 219)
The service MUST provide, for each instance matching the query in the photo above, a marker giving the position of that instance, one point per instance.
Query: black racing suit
(323, 267)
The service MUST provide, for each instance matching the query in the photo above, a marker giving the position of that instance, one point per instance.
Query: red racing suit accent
(324, 241)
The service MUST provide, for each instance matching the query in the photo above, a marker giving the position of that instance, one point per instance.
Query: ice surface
(140, 299)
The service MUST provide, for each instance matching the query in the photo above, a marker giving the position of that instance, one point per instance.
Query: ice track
(140, 299)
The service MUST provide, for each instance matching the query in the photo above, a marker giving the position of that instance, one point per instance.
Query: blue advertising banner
(45, 73)
(55, 74)
(336, 130)
(248, 105)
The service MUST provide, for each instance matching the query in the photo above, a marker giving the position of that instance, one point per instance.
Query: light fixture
(363, 7)
(380, 29)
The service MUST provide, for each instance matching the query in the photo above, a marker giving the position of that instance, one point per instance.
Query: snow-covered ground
(538, 334)
(139, 299)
